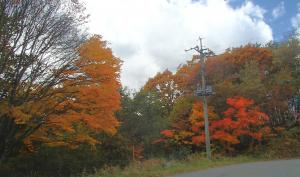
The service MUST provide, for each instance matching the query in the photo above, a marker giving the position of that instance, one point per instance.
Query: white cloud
(150, 36)
(279, 10)
(296, 20)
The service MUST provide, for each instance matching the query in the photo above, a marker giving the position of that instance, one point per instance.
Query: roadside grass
(162, 167)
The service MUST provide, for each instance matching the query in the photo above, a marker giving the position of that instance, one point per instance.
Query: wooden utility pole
(204, 91)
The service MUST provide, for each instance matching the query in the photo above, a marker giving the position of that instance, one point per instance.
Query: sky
(151, 35)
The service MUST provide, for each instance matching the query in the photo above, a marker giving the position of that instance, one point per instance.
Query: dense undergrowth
(285, 146)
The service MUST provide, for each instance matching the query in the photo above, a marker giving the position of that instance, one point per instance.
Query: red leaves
(198, 139)
(195, 128)
(240, 119)
(239, 102)
(158, 141)
(225, 136)
(167, 133)
(223, 124)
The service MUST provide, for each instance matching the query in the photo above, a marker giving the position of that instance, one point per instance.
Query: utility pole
(204, 91)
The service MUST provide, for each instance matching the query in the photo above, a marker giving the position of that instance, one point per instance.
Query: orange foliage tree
(74, 111)
(91, 99)
(164, 85)
(187, 76)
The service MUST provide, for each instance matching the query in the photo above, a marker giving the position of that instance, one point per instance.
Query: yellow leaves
(183, 137)
(185, 134)
(57, 143)
(4, 108)
(19, 116)
(284, 76)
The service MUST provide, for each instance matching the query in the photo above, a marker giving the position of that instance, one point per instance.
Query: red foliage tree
(242, 120)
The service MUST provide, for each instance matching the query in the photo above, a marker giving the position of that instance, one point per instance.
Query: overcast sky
(151, 35)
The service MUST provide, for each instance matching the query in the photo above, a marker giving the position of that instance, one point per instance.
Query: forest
(64, 111)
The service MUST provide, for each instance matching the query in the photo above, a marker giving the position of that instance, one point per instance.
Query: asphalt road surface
(279, 168)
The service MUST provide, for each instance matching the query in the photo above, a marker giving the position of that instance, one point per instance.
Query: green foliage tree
(284, 83)
(142, 118)
(63, 161)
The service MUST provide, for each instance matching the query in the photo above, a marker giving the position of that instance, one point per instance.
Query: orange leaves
(242, 55)
(197, 113)
(26, 113)
(165, 86)
(98, 97)
(95, 50)
(160, 81)
(186, 76)
(98, 64)
(91, 98)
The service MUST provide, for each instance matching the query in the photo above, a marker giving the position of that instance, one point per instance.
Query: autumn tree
(180, 113)
(165, 86)
(187, 77)
(92, 98)
(243, 124)
(252, 83)
(38, 42)
(187, 126)
(81, 106)
(268, 75)
(244, 71)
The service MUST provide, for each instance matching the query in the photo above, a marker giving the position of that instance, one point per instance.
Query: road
(279, 168)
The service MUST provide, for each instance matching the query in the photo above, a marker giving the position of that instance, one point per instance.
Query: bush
(286, 145)
(62, 161)
(179, 152)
